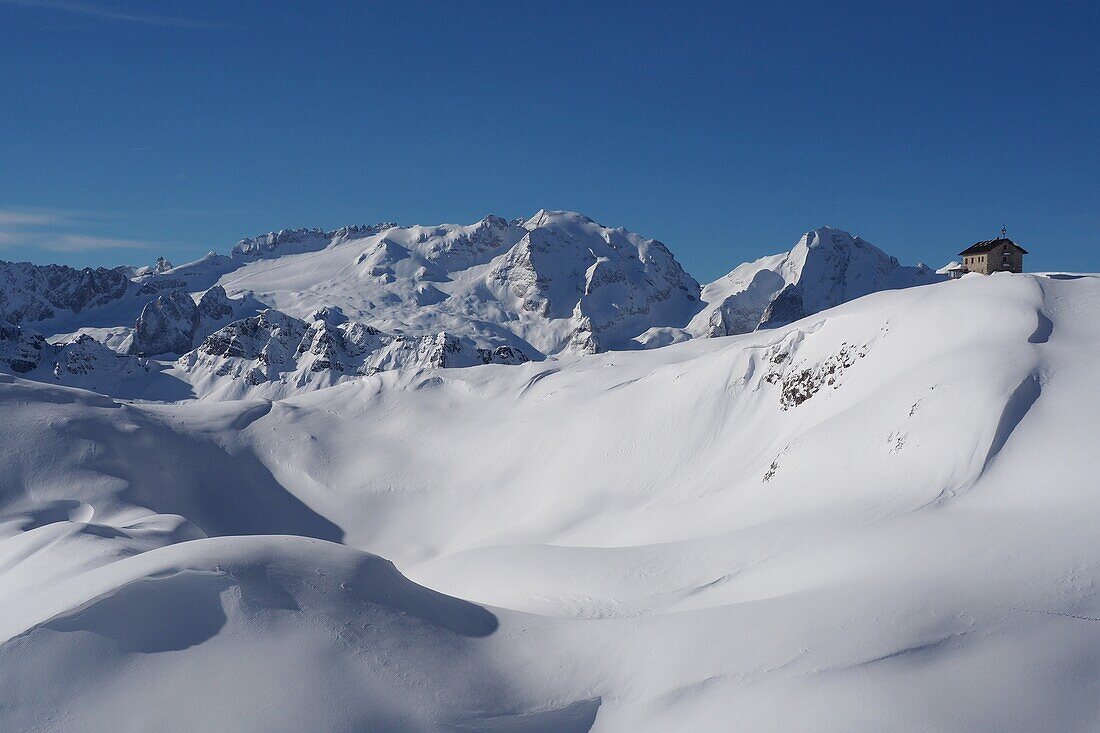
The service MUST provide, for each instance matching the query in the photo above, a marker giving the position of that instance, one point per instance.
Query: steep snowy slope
(826, 268)
(879, 517)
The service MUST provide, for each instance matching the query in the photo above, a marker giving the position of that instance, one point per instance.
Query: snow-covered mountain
(825, 268)
(878, 517)
(80, 361)
(275, 355)
(43, 292)
(412, 298)
(173, 323)
(415, 297)
(557, 282)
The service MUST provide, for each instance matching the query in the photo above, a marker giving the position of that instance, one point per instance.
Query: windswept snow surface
(879, 517)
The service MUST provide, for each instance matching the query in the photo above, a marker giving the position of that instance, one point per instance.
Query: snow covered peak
(831, 247)
(834, 267)
(556, 281)
(577, 285)
(826, 267)
(556, 218)
(831, 237)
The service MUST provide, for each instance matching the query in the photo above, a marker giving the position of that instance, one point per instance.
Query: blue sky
(135, 129)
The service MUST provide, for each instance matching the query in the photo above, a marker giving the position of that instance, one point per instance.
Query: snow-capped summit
(557, 281)
(580, 286)
(825, 268)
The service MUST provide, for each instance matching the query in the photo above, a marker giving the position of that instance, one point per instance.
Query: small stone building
(994, 255)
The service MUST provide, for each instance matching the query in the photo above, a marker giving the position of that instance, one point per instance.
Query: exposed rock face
(38, 292)
(24, 351)
(786, 307)
(84, 356)
(803, 382)
(273, 347)
(214, 305)
(21, 350)
(172, 323)
(288, 241)
(167, 324)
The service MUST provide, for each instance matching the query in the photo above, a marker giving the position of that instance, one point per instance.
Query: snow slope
(879, 517)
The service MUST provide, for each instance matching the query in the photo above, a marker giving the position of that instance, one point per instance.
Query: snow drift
(877, 517)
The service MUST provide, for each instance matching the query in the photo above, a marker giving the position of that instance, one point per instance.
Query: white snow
(878, 517)
(825, 268)
(555, 282)
(411, 298)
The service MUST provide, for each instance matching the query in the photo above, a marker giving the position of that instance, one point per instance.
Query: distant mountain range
(300, 309)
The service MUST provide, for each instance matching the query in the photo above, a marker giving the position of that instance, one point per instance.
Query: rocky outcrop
(167, 324)
(273, 347)
(25, 352)
(215, 306)
(21, 349)
(786, 307)
(159, 267)
(30, 293)
(172, 323)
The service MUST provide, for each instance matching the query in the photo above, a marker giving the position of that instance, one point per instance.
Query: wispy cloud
(57, 230)
(85, 243)
(31, 217)
(107, 13)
